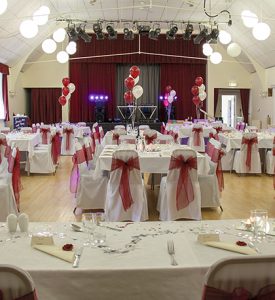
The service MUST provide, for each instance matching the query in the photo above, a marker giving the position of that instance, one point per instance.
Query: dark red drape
(216, 98)
(5, 96)
(98, 78)
(182, 77)
(245, 103)
(45, 106)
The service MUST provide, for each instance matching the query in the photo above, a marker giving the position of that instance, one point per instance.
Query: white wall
(218, 76)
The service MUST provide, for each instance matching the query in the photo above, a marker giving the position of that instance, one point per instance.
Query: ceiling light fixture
(59, 35)
(28, 29)
(3, 6)
(224, 37)
(188, 32)
(49, 46)
(171, 33)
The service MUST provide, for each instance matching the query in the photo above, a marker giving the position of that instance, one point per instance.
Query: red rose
(68, 247)
(241, 243)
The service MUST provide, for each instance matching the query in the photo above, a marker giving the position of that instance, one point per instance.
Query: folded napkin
(56, 251)
(231, 247)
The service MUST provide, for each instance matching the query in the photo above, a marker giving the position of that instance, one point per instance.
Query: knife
(77, 256)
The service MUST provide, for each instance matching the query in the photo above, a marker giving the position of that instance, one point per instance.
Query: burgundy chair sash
(174, 135)
(210, 149)
(44, 132)
(96, 136)
(218, 129)
(185, 193)
(68, 132)
(115, 137)
(78, 158)
(88, 153)
(197, 140)
(14, 168)
(56, 147)
(163, 130)
(265, 293)
(249, 143)
(150, 139)
(101, 132)
(214, 136)
(124, 186)
(217, 158)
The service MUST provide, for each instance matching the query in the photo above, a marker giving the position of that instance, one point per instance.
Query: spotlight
(72, 33)
(212, 37)
(154, 33)
(128, 34)
(98, 31)
(202, 35)
(188, 32)
(171, 33)
(112, 34)
(143, 29)
(85, 36)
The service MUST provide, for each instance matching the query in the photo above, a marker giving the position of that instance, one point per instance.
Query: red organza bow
(44, 132)
(209, 149)
(265, 293)
(218, 129)
(116, 137)
(56, 147)
(14, 168)
(185, 193)
(163, 130)
(88, 153)
(96, 135)
(174, 135)
(216, 158)
(197, 140)
(150, 139)
(249, 143)
(214, 136)
(68, 132)
(124, 186)
(78, 158)
(3, 143)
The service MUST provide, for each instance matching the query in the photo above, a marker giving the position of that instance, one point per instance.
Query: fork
(171, 251)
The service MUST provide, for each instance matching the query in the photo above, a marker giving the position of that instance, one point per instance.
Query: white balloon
(71, 87)
(234, 50)
(137, 91)
(202, 96)
(173, 93)
(170, 98)
(136, 79)
(201, 88)
(68, 97)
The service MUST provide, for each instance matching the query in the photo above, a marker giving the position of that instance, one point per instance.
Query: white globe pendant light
(44, 10)
(207, 50)
(234, 50)
(71, 48)
(261, 31)
(3, 6)
(224, 37)
(62, 57)
(49, 46)
(39, 17)
(59, 35)
(28, 29)
(249, 18)
(216, 58)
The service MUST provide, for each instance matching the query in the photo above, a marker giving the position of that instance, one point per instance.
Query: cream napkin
(231, 247)
(56, 251)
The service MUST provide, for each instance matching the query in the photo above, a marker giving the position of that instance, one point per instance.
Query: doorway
(229, 110)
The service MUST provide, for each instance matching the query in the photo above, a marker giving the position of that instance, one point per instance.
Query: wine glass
(89, 224)
(258, 219)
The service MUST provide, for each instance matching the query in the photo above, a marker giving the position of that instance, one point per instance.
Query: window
(2, 111)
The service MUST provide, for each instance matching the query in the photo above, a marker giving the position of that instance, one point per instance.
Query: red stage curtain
(5, 96)
(182, 77)
(45, 106)
(91, 79)
(245, 103)
(216, 98)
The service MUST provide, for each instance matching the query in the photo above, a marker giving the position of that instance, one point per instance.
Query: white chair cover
(247, 159)
(165, 139)
(150, 136)
(41, 161)
(240, 275)
(170, 204)
(67, 144)
(116, 134)
(89, 151)
(196, 140)
(45, 135)
(126, 196)
(270, 160)
(16, 283)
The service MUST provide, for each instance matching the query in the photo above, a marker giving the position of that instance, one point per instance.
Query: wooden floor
(47, 197)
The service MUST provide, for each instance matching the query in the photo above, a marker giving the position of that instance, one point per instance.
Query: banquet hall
(137, 145)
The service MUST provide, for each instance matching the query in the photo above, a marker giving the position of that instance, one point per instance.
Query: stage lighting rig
(171, 33)
(72, 33)
(128, 34)
(212, 37)
(154, 32)
(188, 32)
(202, 35)
(112, 34)
(82, 34)
(97, 27)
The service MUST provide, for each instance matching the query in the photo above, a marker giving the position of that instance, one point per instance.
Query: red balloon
(128, 97)
(165, 103)
(134, 71)
(199, 81)
(65, 91)
(62, 100)
(195, 90)
(66, 81)
(196, 100)
(129, 83)
(168, 88)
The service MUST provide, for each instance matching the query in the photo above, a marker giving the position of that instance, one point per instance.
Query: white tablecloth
(152, 162)
(142, 273)
(187, 131)
(233, 140)
(24, 142)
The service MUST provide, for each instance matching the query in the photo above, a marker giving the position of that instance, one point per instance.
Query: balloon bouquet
(67, 89)
(169, 98)
(199, 94)
(134, 91)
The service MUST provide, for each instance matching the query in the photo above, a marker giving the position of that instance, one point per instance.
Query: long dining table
(133, 263)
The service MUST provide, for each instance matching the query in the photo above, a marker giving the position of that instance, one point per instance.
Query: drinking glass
(89, 224)
(258, 219)
(99, 236)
